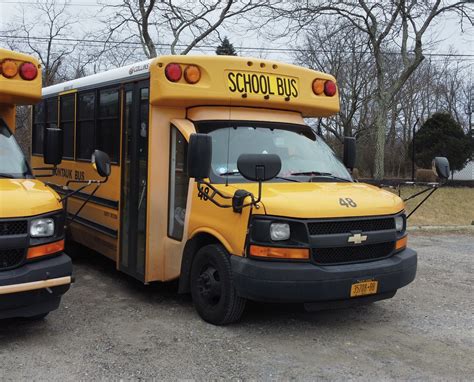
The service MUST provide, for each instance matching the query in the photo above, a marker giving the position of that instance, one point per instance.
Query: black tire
(212, 287)
(38, 317)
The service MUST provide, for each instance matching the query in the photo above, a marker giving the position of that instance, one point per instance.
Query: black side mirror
(441, 167)
(53, 146)
(101, 163)
(259, 167)
(199, 156)
(349, 152)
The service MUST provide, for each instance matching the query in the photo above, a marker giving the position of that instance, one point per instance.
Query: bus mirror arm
(207, 191)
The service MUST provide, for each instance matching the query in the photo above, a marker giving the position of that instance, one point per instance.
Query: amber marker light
(318, 86)
(9, 68)
(279, 253)
(192, 74)
(45, 249)
(401, 243)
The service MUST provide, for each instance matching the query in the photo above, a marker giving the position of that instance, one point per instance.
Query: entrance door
(134, 179)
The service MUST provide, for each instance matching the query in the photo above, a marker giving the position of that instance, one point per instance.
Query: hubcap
(209, 285)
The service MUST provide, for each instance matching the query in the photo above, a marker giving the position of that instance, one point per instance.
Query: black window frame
(38, 123)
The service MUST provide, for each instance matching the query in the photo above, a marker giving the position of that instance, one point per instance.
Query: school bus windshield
(12, 161)
(304, 156)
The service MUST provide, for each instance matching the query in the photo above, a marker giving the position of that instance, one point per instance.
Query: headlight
(42, 227)
(279, 231)
(399, 223)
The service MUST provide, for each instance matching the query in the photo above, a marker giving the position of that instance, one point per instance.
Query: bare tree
(390, 26)
(170, 22)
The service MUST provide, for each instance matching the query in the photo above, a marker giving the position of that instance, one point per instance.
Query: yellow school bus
(218, 181)
(34, 271)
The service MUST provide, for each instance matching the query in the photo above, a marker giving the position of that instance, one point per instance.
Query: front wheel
(212, 287)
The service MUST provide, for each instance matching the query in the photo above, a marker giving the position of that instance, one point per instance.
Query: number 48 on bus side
(347, 202)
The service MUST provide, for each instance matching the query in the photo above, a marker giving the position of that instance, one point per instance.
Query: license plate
(241, 82)
(364, 288)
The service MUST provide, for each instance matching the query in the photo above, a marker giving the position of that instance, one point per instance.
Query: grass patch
(447, 206)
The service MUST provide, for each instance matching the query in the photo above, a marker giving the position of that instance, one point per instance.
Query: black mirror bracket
(432, 187)
(207, 191)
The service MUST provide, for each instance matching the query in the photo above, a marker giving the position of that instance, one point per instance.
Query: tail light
(9, 68)
(192, 74)
(173, 72)
(28, 71)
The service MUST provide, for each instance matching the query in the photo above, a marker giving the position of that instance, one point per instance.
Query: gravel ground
(111, 327)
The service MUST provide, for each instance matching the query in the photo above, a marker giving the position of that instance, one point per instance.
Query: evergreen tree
(441, 135)
(226, 48)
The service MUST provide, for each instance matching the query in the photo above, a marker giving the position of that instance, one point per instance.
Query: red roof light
(330, 88)
(28, 71)
(173, 72)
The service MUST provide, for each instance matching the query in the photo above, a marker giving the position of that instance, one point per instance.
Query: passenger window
(85, 129)
(108, 127)
(52, 113)
(67, 110)
(178, 184)
(38, 128)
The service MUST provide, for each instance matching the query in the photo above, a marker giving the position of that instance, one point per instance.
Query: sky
(447, 32)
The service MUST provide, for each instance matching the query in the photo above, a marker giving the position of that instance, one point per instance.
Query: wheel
(212, 287)
(38, 317)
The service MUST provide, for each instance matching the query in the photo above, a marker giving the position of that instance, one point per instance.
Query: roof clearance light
(318, 86)
(173, 72)
(329, 88)
(192, 74)
(28, 71)
(9, 69)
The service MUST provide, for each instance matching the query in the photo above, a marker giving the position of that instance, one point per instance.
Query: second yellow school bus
(316, 236)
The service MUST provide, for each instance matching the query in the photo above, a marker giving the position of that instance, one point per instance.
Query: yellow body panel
(26, 197)
(16, 90)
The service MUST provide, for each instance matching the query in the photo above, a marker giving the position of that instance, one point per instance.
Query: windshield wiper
(321, 174)
(5, 175)
(235, 172)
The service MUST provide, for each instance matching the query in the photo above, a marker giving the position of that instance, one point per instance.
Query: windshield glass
(304, 156)
(12, 161)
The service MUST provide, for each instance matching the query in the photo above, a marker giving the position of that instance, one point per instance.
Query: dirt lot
(111, 327)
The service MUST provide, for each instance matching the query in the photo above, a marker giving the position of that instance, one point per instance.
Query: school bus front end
(34, 271)
(306, 233)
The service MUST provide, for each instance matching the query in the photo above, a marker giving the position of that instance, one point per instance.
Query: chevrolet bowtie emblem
(357, 238)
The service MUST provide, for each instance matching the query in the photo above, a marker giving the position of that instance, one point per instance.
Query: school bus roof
(19, 84)
(223, 80)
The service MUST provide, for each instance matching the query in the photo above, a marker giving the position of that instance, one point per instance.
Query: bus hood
(26, 197)
(325, 200)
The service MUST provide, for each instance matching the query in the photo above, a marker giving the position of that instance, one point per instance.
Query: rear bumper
(274, 281)
(34, 288)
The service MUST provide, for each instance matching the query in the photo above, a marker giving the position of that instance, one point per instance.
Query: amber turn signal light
(9, 68)
(401, 243)
(318, 86)
(192, 74)
(279, 253)
(45, 249)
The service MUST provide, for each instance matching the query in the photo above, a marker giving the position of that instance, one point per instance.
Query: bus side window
(52, 112)
(178, 187)
(38, 128)
(85, 128)
(67, 111)
(108, 125)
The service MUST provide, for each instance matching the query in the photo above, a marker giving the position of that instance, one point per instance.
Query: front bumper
(34, 288)
(276, 281)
